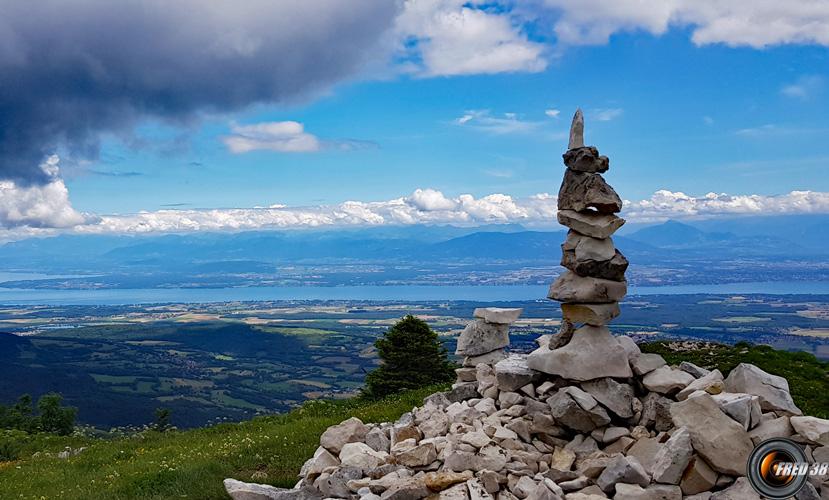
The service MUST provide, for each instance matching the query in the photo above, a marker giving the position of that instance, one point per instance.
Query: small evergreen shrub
(412, 356)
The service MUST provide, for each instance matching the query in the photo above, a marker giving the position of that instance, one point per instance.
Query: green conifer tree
(412, 356)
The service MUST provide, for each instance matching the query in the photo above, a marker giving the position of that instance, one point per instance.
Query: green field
(187, 464)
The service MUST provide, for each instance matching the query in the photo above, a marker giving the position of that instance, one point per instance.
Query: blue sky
(737, 114)
(693, 119)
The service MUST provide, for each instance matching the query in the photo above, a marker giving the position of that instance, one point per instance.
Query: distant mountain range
(803, 237)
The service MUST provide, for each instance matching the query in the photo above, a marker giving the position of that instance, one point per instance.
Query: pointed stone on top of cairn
(594, 281)
(577, 131)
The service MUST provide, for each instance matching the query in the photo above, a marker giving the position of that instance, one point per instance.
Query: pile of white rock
(663, 433)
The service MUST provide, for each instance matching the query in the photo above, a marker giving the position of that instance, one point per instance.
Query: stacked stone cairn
(594, 281)
(584, 417)
(483, 342)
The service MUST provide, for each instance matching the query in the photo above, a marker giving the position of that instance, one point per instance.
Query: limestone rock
(477, 491)
(378, 440)
(500, 315)
(402, 431)
(465, 374)
(772, 390)
(626, 491)
(456, 492)
(488, 358)
(570, 287)
(778, 427)
(693, 369)
(615, 396)
(419, 456)
(740, 490)
(335, 483)
(592, 353)
(698, 477)
(596, 225)
(629, 345)
(815, 430)
(586, 159)
(666, 380)
(321, 460)
(350, 431)
(808, 492)
(591, 314)
(721, 441)
(621, 445)
(646, 363)
(361, 455)
(587, 248)
(406, 489)
(513, 373)
(546, 490)
(576, 131)
(563, 459)
(562, 338)
(462, 392)
(439, 481)
(656, 412)
(611, 434)
(490, 457)
(612, 269)
(673, 457)
(736, 406)
(622, 469)
(645, 450)
(523, 487)
(582, 191)
(480, 337)
(585, 496)
(712, 383)
(577, 410)
(239, 490)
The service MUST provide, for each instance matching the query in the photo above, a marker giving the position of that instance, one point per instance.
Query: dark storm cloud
(72, 70)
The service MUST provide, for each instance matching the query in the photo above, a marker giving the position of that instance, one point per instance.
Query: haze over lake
(460, 292)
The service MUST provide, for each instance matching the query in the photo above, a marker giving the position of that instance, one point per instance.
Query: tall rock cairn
(594, 282)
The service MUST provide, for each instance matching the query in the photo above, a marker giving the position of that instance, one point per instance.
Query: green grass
(808, 377)
(188, 464)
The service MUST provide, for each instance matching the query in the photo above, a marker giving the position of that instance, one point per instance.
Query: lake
(413, 293)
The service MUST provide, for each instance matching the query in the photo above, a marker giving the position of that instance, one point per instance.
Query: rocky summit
(509, 432)
(586, 416)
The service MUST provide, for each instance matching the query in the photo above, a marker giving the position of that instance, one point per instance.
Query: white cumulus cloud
(752, 23)
(508, 123)
(430, 199)
(38, 205)
(665, 204)
(459, 37)
(284, 137)
(423, 206)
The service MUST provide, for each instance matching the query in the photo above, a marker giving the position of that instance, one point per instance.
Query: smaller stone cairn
(483, 343)
(594, 282)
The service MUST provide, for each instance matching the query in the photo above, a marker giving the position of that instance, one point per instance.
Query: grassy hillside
(188, 464)
(192, 464)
